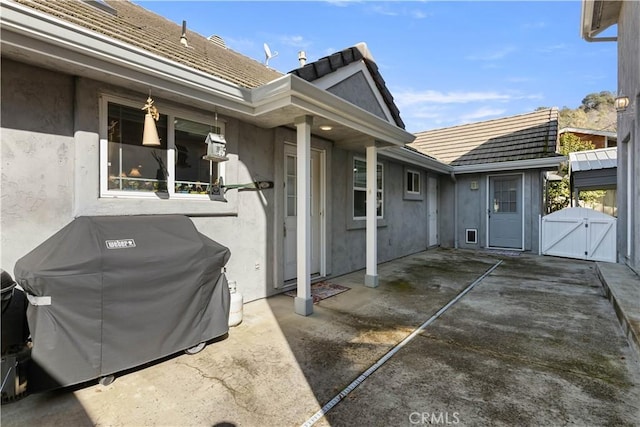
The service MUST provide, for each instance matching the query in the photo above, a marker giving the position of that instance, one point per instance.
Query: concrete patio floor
(534, 343)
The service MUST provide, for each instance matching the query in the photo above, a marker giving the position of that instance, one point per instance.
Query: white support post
(371, 277)
(303, 303)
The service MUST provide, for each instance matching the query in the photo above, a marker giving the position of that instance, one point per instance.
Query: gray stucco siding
(357, 90)
(401, 232)
(472, 208)
(37, 157)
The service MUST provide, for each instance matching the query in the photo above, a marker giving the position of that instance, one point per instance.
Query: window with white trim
(412, 182)
(173, 169)
(360, 189)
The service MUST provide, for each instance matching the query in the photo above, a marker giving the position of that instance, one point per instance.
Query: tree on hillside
(596, 111)
(596, 101)
(559, 192)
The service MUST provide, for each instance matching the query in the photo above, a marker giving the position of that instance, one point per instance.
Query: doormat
(505, 253)
(321, 290)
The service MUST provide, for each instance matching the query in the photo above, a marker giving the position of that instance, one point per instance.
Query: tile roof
(521, 137)
(603, 158)
(328, 64)
(144, 29)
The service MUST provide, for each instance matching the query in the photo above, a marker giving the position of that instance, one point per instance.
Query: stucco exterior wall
(471, 205)
(402, 231)
(629, 136)
(50, 175)
(37, 157)
(50, 161)
(356, 90)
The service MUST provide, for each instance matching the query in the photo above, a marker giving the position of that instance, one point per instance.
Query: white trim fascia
(405, 155)
(290, 90)
(543, 162)
(328, 81)
(586, 19)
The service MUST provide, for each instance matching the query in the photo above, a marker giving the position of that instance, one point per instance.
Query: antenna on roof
(268, 55)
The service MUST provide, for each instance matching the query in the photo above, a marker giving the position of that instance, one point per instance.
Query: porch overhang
(30, 36)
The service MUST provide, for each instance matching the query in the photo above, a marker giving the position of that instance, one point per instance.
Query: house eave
(405, 155)
(539, 163)
(597, 16)
(310, 99)
(44, 40)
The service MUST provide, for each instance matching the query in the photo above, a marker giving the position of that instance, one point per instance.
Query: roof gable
(144, 29)
(521, 137)
(331, 72)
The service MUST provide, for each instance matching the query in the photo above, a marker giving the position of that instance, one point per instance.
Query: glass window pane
(192, 172)
(131, 165)
(359, 174)
(291, 206)
(359, 203)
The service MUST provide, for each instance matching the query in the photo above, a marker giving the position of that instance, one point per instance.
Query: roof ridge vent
(217, 40)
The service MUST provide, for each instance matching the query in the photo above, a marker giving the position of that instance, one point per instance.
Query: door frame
(488, 208)
(322, 177)
(431, 179)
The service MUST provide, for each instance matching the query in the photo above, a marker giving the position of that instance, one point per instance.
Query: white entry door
(290, 214)
(432, 208)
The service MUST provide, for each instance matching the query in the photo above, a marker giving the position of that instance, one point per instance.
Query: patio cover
(111, 293)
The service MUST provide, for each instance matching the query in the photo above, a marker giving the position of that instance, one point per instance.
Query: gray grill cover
(124, 291)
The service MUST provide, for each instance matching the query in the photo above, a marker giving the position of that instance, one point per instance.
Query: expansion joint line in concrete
(340, 396)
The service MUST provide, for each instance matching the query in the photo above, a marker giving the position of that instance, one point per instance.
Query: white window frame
(354, 188)
(409, 182)
(172, 114)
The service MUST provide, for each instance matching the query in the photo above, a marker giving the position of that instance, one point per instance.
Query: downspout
(455, 210)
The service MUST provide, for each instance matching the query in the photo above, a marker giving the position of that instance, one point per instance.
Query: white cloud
(553, 48)
(492, 55)
(418, 14)
(534, 25)
(482, 113)
(382, 10)
(239, 45)
(433, 96)
(295, 41)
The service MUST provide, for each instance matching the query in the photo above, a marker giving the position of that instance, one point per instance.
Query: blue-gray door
(505, 211)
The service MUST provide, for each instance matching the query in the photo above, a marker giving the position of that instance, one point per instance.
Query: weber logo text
(120, 244)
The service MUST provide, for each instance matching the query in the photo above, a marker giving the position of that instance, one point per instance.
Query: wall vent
(471, 235)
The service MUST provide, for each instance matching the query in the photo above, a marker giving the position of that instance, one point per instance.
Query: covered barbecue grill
(108, 294)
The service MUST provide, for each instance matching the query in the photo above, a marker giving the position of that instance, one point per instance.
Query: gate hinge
(586, 253)
(586, 225)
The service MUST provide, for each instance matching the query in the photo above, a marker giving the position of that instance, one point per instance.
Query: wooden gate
(579, 233)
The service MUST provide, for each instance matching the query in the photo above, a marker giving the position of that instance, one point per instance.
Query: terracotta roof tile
(144, 29)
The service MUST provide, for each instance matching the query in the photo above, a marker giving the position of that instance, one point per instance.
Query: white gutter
(405, 155)
(34, 31)
(543, 162)
(587, 19)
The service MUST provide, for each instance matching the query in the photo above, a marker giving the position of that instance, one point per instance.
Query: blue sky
(445, 62)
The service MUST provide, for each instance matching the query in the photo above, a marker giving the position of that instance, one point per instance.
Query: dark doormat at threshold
(322, 290)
